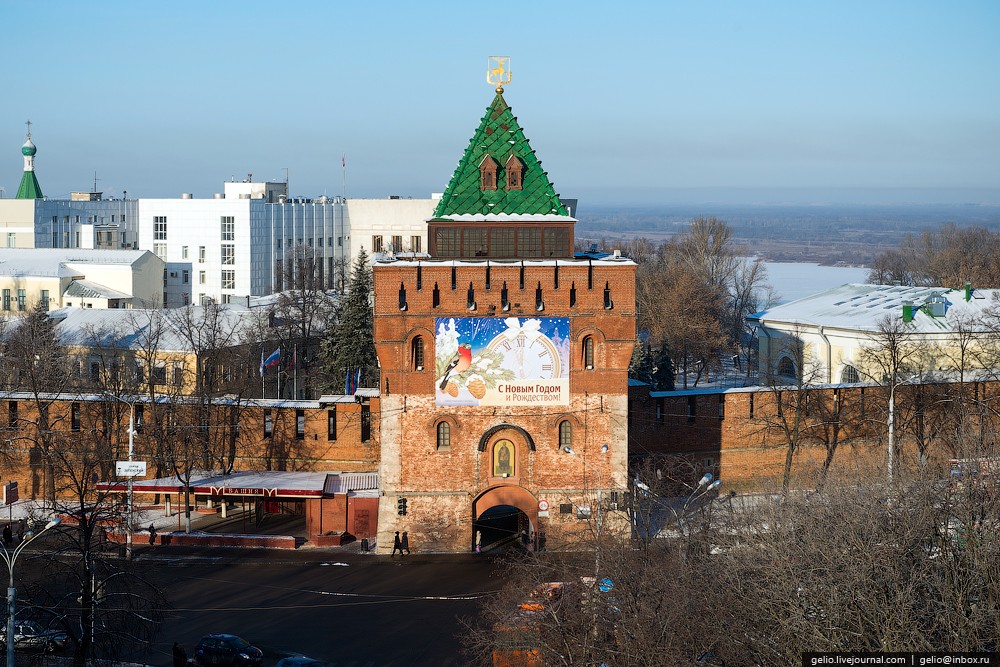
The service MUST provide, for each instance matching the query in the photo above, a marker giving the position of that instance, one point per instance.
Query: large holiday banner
(502, 361)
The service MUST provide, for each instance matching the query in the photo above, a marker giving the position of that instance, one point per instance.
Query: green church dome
(28, 148)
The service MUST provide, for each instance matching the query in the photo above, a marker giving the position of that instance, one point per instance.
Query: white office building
(77, 278)
(245, 241)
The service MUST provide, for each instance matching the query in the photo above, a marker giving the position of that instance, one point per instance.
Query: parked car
(30, 636)
(299, 661)
(226, 651)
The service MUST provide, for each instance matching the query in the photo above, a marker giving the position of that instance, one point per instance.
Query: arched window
(850, 375)
(565, 434)
(418, 353)
(588, 353)
(443, 435)
(786, 368)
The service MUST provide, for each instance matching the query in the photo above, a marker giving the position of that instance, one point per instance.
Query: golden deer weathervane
(498, 71)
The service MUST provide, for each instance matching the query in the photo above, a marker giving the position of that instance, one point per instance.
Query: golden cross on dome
(28, 123)
(498, 71)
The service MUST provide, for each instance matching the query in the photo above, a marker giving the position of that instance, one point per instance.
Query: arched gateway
(501, 514)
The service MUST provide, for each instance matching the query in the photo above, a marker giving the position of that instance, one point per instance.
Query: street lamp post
(705, 486)
(128, 505)
(10, 558)
(131, 455)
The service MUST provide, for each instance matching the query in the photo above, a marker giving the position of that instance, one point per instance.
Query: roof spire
(498, 72)
(499, 174)
(29, 188)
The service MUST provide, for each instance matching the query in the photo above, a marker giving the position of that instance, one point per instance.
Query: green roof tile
(499, 136)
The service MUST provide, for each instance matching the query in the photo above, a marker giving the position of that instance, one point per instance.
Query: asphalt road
(351, 610)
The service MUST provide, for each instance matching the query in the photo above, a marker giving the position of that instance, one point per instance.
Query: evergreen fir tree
(349, 345)
(652, 366)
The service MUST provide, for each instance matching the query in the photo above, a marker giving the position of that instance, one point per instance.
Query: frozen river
(794, 280)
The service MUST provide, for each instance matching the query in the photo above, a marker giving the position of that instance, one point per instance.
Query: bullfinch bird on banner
(458, 364)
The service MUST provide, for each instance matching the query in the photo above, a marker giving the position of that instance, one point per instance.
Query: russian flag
(271, 360)
(351, 381)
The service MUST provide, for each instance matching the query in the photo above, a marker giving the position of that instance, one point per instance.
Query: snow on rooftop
(52, 261)
(135, 327)
(507, 217)
(858, 306)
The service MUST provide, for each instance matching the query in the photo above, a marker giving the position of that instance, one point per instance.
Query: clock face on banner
(528, 359)
(502, 361)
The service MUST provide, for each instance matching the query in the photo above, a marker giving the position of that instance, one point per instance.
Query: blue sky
(627, 102)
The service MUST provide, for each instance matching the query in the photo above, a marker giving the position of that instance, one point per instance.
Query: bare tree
(791, 376)
(37, 364)
(748, 294)
(760, 583)
(209, 436)
(679, 311)
(300, 315)
(105, 607)
(947, 257)
(894, 357)
(730, 287)
(707, 249)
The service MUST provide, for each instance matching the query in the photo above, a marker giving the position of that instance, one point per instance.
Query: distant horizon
(648, 198)
(722, 102)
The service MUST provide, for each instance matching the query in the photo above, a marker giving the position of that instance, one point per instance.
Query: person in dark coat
(8, 536)
(180, 655)
(404, 544)
(152, 534)
(397, 545)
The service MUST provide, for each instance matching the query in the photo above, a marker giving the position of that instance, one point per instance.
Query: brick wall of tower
(441, 485)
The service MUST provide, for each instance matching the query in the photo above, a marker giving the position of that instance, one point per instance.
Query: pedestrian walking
(397, 545)
(479, 541)
(152, 534)
(180, 655)
(404, 544)
(8, 536)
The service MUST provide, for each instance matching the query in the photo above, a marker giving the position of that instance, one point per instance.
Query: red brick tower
(504, 362)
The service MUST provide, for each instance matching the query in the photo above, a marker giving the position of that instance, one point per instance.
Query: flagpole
(343, 165)
(262, 372)
(295, 373)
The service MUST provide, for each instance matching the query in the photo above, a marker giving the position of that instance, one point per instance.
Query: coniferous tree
(652, 366)
(349, 345)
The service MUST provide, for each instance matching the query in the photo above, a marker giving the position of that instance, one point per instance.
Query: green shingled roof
(29, 188)
(499, 136)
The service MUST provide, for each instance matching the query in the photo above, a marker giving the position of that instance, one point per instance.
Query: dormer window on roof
(514, 171)
(488, 173)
